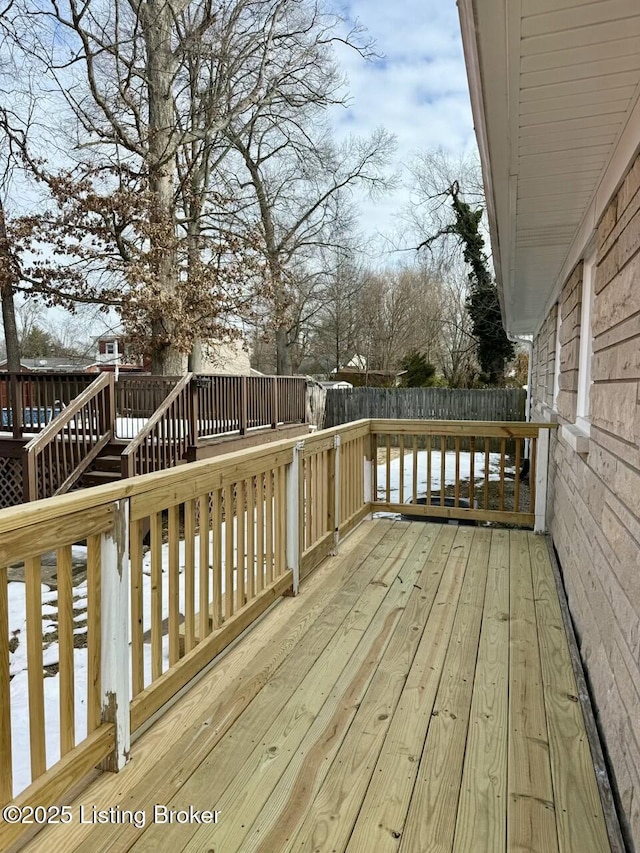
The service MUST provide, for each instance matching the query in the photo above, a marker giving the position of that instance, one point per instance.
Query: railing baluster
(228, 560)
(136, 535)
(401, 472)
(388, 467)
(249, 493)
(456, 487)
(241, 547)
(203, 542)
(269, 525)
(174, 584)
(472, 471)
(503, 451)
(6, 777)
(65, 640)
(217, 557)
(414, 490)
(94, 632)
(260, 533)
(533, 458)
(516, 483)
(428, 470)
(33, 595)
(443, 468)
(156, 595)
(189, 573)
(486, 473)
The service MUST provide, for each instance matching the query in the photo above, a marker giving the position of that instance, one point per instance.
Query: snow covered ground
(436, 473)
(18, 659)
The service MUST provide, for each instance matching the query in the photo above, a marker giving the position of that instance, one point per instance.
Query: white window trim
(578, 435)
(586, 347)
(556, 367)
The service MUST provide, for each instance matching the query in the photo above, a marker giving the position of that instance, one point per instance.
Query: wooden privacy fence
(446, 404)
(227, 537)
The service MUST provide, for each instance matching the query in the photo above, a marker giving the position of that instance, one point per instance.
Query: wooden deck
(417, 695)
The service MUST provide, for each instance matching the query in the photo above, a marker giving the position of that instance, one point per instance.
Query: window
(586, 347)
(110, 348)
(556, 371)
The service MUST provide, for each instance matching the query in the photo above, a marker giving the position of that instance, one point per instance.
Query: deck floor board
(417, 695)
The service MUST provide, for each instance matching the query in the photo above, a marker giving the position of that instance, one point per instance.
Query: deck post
(293, 516)
(243, 406)
(16, 407)
(336, 493)
(194, 414)
(542, 477)
(115, 673)
(274, 402)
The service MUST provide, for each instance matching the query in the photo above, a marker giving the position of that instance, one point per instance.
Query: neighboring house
(554, 89)
(54, 364)
(112, 351)
(232, 357)
(359, 377)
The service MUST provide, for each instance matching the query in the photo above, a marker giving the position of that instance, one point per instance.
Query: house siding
(594, 499)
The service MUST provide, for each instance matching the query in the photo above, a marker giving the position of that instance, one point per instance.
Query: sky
(417, 89)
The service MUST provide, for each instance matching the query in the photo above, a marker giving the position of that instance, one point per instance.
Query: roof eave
(468, 27)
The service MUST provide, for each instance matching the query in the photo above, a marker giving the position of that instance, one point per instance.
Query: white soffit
(554, 89)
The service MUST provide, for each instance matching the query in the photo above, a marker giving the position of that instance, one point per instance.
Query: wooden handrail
(68, 413)
(134, 445)
(79, 451)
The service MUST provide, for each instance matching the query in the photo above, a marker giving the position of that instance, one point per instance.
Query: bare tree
(8, 267)
(153, 87)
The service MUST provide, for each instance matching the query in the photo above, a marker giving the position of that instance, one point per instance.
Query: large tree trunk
(8, 307)
(158, 20)
(283, 356)
(196, 357)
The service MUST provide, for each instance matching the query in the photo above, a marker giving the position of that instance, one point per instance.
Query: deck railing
(227, 537)
(29, 401)
(464, 470)
(235, 404)
(164, 440)
(137, 398)
(58, 456)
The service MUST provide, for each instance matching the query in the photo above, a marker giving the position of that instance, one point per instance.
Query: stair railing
(164, 440)
(55, 459)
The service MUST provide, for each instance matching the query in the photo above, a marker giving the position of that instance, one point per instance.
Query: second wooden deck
(417, 695)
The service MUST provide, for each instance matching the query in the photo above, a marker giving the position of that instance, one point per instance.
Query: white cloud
(417, 89)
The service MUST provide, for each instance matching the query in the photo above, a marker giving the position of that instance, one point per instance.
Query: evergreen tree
(419, 373)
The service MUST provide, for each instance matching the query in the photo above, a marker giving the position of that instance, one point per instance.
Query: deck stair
(64, 433)
(107, 466)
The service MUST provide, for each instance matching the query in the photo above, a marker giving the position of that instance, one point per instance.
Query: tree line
(173, 161)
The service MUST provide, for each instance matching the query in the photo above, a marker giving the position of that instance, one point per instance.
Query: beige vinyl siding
(594, 498)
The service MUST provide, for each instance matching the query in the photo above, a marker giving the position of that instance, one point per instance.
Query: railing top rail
(489, 429)
(299, 377)
(68, 413)
(66, 505)
(146, 430)
(147, 377)
(49, 374)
